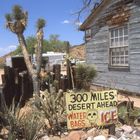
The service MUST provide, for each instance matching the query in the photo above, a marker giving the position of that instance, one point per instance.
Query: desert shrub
(21, 123)
(84, 75)
(2, 65)
(32, 123)
(52, 106)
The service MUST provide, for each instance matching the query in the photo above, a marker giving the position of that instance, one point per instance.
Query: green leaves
(16, 21)
(17, 12)
(84, 75)
(41, 23)
(8, 17)
(53, 44)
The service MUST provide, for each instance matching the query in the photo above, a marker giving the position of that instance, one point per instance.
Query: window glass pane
(126, 52)
(112, 42)
(122, 53)
(113, 53)
(121, 32)
(126, 41)
(117, 51)
(112, 33)
(117, 60)
(88, 32)
(126, 59)
(116, 33)
(113, 60)
(116, 41)
(122, 60)
(125, 30)
(121, 41)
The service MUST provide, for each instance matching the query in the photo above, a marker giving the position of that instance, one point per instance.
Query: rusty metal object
(127, 113)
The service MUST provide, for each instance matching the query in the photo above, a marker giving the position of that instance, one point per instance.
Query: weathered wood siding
(97, 52)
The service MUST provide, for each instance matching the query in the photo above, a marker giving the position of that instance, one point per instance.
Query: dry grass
(78, 52)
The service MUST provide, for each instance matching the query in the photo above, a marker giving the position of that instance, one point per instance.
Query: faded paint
(97, 50)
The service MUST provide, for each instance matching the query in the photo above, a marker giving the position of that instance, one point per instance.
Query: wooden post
(57, 72)
(9, 86)
(68, 66)
(112, 129)
(64, 84)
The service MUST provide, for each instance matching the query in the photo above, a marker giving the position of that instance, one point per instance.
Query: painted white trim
(118, 45)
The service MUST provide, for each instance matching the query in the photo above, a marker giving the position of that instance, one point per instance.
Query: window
(88, 34)
(119, 46)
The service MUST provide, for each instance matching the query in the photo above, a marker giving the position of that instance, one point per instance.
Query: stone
(92, 132)
(100, 137)
(105, 132)
(119, 133)
(4, 131)
(76, 135)
(64, 135)
(65, 138)
(123, 138)
(55, 138)
(45, 138)
(127, 129)
(90, 138)
(136, 134)
(112, 138)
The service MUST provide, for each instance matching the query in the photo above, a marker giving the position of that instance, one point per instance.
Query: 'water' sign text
(91, 108)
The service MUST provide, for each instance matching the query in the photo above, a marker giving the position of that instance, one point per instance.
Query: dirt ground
(121, 97)
(136, 99)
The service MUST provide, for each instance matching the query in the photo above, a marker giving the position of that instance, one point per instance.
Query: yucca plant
(84, 75)
(21, 125)
(10, 118)
(16, 21)
(32, 123)
(52, 105)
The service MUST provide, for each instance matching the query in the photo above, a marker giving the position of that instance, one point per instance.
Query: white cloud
(12, 47)
(5, 50)
(65, 22)
(78, 23)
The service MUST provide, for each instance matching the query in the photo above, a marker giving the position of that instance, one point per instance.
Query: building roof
(93, 14)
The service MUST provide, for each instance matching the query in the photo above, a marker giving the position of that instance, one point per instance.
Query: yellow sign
(91, 109)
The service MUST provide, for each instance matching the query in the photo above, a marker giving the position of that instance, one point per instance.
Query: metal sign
(91, 109)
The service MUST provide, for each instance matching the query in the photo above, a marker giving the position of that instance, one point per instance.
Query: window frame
(88, 34)
(123, 46)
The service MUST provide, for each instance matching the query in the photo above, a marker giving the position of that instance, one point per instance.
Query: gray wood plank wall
(97, 53)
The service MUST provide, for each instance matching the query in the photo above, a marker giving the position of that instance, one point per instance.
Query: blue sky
(58, 14)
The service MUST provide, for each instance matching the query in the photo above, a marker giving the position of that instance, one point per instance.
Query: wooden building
(112, 36)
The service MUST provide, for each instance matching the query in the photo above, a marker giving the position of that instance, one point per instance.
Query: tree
(17, 22)
(87, 7)
(53, 44)
(56, 44)
(31, 42)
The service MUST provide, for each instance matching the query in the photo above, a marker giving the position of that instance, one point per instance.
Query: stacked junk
(17, 84)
